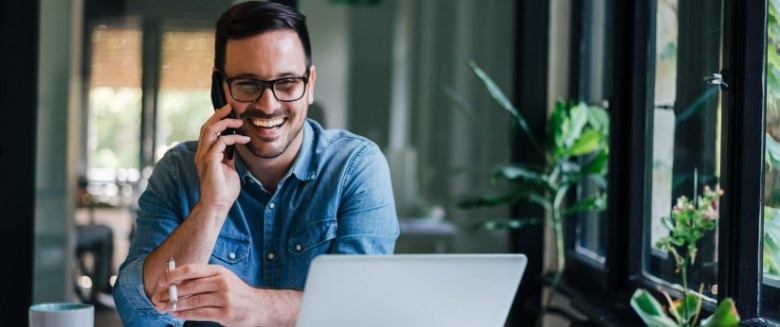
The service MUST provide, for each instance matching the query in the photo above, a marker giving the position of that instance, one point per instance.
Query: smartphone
(218, 99)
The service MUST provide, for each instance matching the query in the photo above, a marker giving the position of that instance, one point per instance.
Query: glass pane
(771, 251)
(594, 85)
(184, 102)
(686, 133)
(114, 99)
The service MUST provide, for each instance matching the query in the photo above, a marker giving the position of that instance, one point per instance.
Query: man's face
(271, 124)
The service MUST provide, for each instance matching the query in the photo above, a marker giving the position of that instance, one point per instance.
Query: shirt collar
(304, 166)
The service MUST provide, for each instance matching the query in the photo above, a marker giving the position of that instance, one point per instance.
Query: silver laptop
(425, 290)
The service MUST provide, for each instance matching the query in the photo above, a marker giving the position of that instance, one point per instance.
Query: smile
(267, 123)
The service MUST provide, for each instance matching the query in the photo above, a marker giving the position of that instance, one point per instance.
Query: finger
(202, 285)
(187, 272)
(211, 130)
(219, 121)
(218, 115)
(217, 150)
(200, 300)
(221, 113)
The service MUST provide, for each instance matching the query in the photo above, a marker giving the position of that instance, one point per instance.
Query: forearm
(190, 243)
(278, 307)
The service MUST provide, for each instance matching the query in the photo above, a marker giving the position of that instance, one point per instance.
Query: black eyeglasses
(286, 89)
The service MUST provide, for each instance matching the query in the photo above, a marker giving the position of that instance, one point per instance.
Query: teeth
(267, 123)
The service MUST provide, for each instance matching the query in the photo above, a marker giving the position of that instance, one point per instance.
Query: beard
(275, 148)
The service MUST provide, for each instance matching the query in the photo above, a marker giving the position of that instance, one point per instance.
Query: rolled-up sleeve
(159, 215)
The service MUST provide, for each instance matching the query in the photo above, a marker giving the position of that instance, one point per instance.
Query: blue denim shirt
(336, 198)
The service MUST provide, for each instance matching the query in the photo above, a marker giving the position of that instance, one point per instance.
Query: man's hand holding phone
(219, 181)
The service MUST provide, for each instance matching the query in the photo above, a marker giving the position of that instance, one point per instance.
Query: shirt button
(270, 255)
(232, 255)
(271, 205)
(298, 247)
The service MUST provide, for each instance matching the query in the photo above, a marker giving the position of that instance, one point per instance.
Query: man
(243, 231)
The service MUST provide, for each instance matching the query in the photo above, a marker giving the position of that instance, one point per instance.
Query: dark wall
(18, 107)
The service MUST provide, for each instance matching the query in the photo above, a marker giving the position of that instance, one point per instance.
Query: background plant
(689, 221)
(575, 149)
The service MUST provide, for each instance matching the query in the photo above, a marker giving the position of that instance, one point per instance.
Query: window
(114, 97)
(185, 80)
(771, 233)
(677, 126)
(686, 136)
(593, 86)
(114, 110)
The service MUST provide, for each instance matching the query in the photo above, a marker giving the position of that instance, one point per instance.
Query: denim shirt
(336, 198)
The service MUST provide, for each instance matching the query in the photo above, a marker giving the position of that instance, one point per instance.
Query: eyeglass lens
(249, 90)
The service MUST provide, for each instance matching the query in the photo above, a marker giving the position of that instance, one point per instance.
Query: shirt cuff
(130, 290)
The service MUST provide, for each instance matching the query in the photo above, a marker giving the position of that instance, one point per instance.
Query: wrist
(210, 212)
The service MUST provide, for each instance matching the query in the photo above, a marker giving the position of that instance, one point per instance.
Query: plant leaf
(519, 172)
(648, 308)
(517, 193)
(587, 142)
(504, 102)
(687, 309)
(598, 118)
(578, 115)
(597, 165)
(557, 124)
(486, 200)
(515, 223)
(724, 316)
(597, 202)
(459, 101)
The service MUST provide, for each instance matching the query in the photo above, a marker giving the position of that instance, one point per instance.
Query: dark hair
(254, 17)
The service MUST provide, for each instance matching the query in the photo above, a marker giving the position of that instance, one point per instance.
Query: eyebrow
(282, 75)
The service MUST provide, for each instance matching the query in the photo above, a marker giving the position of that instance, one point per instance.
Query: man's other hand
(209, 293)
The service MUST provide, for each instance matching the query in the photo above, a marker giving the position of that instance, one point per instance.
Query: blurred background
(94, 92)
(121, 82)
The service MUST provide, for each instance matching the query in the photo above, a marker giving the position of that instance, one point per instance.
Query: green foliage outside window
(116, 118)
(771, 255)
(181, 113)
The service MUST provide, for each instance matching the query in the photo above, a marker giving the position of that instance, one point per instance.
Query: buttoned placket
(271, 271)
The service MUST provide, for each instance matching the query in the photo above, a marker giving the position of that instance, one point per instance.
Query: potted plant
(575, 149)
(690, 219)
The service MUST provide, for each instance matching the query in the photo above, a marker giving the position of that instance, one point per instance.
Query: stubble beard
(275, 152)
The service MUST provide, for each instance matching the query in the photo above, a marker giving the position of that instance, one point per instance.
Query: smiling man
(243, 231)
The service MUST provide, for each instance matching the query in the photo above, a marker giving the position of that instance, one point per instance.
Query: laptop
(408, 290)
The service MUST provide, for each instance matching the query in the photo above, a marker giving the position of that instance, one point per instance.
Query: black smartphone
(218, 100)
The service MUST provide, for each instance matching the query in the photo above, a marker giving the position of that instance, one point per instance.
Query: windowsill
(599, 308)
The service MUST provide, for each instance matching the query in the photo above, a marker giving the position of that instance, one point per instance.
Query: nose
(267, 101)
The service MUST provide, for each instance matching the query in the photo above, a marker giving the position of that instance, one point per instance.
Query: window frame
(741, 228)
(741, 225)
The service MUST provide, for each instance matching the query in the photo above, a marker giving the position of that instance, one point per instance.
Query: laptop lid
(410, 290)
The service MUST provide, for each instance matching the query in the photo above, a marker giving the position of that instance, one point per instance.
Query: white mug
(62, 315)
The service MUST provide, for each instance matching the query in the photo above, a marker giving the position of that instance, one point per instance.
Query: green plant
(688, 223)
(575, 149)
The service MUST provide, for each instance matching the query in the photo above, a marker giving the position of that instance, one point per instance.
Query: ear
(312, 81)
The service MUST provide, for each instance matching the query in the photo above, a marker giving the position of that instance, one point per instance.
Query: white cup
(62, 315)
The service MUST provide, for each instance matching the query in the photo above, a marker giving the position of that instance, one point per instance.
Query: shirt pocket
(232, 252)
(305, 244)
